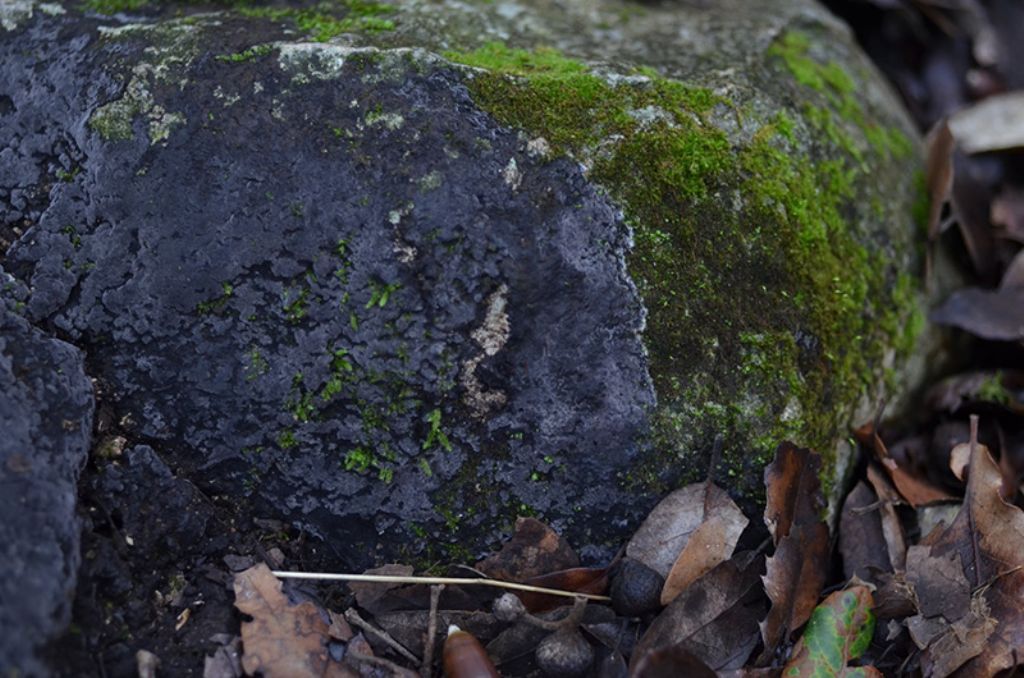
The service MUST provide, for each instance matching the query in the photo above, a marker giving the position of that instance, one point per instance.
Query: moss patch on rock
(320, 21)
(746, 254)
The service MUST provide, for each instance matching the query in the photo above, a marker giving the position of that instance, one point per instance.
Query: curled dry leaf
(796, 572)
(668, 528)
(839, 631)
(282, 640)
(938, 173)
(959, 457)
(793, 488)
(892, 527)
(917, 491)
(795, 576)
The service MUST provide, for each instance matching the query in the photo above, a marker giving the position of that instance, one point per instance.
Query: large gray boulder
(399, 273)
(46, 410)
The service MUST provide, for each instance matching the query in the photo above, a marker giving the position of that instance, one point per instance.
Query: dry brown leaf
(672, 662)
(713, 542)
(965, 639)
(988, 537)
(970, 205)
(577, 579)
(793, 581)
(665, 532)
(1013, 277)
(993, 124)
(892, 528)
(370, 594)
(940, 586)
(990, 314)
(282, 640)
(533, 550)
(861, 541)
(793, 489)
(709, 619)
(894, 597)
(939, 173)
(1007, 214)
(796, 572)
(917, 491)
(959, 457)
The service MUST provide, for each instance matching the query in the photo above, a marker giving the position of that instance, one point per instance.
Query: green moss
(113, 6)
(707, 274)
(435, 434)
(328, 19)
(321, 22)
(249, 54)
(839, 88)
(287, 440)
(380, 293)
(113, 121)
(217, 304)
(992, 390)
(258, 365)
(296, 304)
(922, 202)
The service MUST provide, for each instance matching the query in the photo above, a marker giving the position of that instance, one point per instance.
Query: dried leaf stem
(449, 581)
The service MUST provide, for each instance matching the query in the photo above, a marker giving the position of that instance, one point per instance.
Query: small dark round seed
(565, 654)
(636, 589)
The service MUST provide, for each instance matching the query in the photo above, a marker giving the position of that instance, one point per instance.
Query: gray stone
(464, 261)
(46, 410)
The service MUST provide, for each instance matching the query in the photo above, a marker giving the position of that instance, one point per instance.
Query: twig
(353, 617)
(569, 621)
(450, 581)
(428, 647)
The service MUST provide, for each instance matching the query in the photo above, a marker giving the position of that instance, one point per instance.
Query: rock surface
(462, 261)
(46, 410)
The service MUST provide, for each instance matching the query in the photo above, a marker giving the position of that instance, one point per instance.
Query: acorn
(465, 657)
(508, 608)
(565, 654)
(636, 589)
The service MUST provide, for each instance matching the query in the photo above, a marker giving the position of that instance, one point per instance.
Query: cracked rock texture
(46, 413)
(340, 284)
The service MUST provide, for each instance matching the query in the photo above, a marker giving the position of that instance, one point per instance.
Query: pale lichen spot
(431, 181)
(491, 336)
(309, 61)
(538, 148)
(13, 12)
(511, 174)
(391, 121)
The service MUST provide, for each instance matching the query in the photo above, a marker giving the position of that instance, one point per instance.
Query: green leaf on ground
(839, 631)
